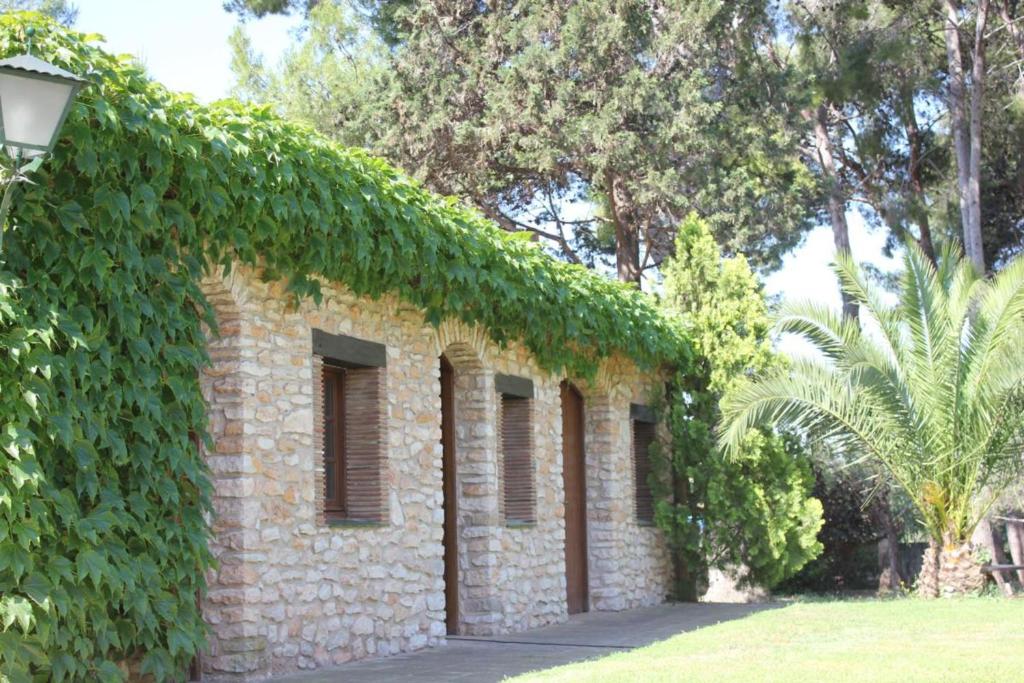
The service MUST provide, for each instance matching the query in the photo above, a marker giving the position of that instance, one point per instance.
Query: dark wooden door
(451, 525)
(574, 475)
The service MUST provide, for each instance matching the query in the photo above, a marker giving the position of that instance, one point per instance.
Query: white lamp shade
(34, 100)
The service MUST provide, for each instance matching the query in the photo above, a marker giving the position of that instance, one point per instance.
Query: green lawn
(829, 642)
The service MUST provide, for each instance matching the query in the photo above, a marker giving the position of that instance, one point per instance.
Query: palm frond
(997, 339)
(872, 306)
(829, 333)
(810, 397)
(930, 358)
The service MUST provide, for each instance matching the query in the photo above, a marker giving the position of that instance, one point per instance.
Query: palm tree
(931, 389)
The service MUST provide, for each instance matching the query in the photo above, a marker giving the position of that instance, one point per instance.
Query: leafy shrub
(752, 509)
(853, 526)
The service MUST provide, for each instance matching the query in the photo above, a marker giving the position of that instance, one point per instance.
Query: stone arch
(229, 606)
(476, 466)
(608, 378)
(468, 342)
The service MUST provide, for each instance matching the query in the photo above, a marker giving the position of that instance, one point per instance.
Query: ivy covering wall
(103, 494)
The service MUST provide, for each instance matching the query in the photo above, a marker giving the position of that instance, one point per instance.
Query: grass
(979, 639)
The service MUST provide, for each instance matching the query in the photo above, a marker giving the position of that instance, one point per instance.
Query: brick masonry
(292, 592)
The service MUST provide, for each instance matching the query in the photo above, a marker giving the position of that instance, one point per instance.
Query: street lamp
(35, 98)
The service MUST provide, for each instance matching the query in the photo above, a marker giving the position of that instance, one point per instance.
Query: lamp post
(35, 98)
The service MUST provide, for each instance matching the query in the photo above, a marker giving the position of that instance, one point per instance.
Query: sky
(184, 45)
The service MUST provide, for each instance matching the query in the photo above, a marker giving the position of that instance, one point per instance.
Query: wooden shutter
(352, 419)
(364, 444)
(516, 450)
(643, 437)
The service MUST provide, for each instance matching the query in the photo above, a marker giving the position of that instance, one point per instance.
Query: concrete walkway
(584, 636)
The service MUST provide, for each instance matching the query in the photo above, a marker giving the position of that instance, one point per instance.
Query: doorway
(449, 539)
(575, 480)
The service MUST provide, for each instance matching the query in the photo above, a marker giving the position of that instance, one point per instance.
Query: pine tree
(597, 126)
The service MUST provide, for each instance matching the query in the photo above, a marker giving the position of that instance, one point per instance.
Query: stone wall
(531, 576)
(630, 565)
(294, 592)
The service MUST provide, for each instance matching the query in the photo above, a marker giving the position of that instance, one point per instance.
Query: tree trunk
(836, 198)
(1015, 539)
(892, 537)
(960, 570)
(685, 575)
(1017, 35)
(685, 580)
(627, 253)
(627, 232)
(916, 183)
(928, 579)
(967, 131)
(889, 580)
(977, 249)
(985, 536)
(952, 569)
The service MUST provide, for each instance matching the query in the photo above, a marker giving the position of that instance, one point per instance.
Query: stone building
(380, 483)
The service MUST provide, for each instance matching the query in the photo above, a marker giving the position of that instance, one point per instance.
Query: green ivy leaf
(91, 565)
(108, 672)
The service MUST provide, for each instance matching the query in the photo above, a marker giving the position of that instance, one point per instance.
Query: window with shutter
(517, 459)
(350, 429)
(643, 437)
